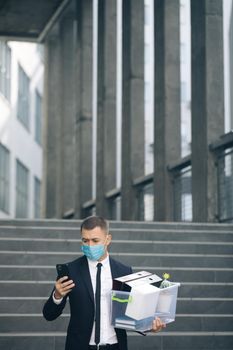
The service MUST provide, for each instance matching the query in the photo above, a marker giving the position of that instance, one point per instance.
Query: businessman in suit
(81, 287)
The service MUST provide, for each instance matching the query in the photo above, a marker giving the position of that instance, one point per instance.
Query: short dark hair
(95, 221)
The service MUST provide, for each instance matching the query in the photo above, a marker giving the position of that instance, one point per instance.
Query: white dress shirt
(107, 331)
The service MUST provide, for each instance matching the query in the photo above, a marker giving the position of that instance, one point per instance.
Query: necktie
(97, 304)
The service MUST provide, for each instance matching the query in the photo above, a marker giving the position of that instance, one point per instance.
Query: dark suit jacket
(81, 300)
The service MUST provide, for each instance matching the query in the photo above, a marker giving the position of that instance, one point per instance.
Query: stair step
(181, 274)
(44, 288)
(168, 341)
(32, 341)
(182, 341)
(24, 305)
(147, 259)
(162, 234)
(34, 322)
(183, 323)
(199, 256)
(116, 224)
(147, 246)
(207, 306)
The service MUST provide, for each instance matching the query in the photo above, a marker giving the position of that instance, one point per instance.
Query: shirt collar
(104, 262)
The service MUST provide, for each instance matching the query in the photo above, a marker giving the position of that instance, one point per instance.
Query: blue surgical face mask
(94, 252)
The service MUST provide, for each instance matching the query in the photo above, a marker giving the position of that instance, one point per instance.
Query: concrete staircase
(199, 256)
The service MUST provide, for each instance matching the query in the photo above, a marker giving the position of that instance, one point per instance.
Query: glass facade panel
(22, 178)
(37, 198)
(149, 85)
(146, 202)
(225, 186)
(38, 118)
(5, 70)
(182, 187)
(23, 98)
(4, 179)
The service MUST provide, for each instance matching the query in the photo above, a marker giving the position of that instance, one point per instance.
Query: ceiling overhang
(29, 20)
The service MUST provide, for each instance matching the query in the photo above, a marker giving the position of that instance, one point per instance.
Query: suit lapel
(114, 269)
(84, 269)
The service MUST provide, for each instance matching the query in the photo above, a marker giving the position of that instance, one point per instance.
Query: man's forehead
(95, 232)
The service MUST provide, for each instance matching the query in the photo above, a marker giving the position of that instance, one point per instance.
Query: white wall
(13, 135)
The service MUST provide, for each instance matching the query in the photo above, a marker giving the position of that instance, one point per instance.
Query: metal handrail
(113, 194)
(221, 147)
(181, 164)
(143, 180)
(225, 141)
(89, 204)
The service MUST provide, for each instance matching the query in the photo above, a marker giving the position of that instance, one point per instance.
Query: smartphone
(62, 270)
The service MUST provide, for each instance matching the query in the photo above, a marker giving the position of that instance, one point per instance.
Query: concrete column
(231, 87)
(60, 119)
(230, 43)
(167, 144)
(83, 138)
(132, 105)
(207, 103)
(67, 35)
(106, 109)
(52, 177)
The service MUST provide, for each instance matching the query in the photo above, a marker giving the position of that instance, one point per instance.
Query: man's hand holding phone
(63, 285)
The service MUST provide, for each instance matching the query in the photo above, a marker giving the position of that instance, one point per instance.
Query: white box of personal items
(138, 298)
(166, 306)
(125, 283)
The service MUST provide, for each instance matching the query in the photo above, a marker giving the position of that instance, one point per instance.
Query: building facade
(137, 112)
(139, 129)
(21, 91)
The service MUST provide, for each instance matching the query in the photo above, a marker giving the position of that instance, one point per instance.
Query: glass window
(147, 92)
(38, 119)
(147, 53)
(5, 70)
(40, 50)
(183, 91)
(4, 178)
(147, 15)
(22, 177)
(183, 58)
(23, 98)
(37, 198)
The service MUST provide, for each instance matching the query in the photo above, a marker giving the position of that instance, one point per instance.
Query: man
(81, 287)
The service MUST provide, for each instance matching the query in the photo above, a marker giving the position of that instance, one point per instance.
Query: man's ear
(109, 239)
